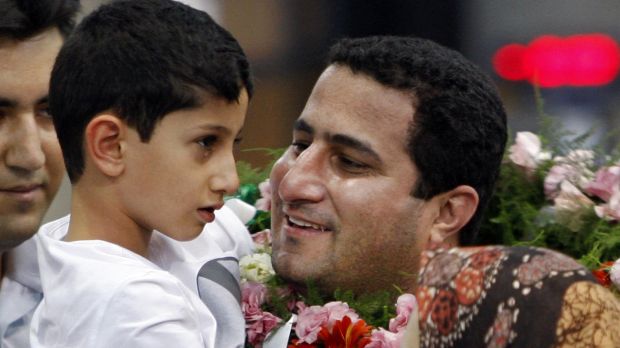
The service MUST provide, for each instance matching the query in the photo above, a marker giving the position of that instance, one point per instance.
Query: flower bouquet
(277, 315)
(555, 192)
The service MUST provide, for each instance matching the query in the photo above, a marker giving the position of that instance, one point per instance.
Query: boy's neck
(95, 218)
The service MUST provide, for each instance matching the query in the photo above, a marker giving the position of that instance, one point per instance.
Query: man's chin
(14, 230)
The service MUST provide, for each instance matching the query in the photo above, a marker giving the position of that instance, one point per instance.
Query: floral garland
(564, 202)
(268, 302)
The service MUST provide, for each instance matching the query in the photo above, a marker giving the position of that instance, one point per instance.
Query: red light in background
(552, 61)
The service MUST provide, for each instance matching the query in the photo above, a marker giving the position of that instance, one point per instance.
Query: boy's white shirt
(226, 237)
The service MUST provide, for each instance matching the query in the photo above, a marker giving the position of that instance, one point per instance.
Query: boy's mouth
(207, 214)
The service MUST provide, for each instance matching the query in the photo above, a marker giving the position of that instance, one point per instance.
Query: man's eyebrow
(357, 145)
(7, 103)
(42, 100)
(303, 126)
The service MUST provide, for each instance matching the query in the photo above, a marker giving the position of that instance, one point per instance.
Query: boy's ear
(105, 143)
(456, 208)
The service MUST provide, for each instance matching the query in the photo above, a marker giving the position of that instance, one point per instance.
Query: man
(393, 160)
(31, 164)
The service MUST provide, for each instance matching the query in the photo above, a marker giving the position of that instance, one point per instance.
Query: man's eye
(44, 112)
(351, 165)
(299, 147)
(208, 141)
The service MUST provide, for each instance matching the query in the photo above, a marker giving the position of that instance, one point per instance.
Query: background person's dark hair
(141, 59)
(20, 19)
(458, 133)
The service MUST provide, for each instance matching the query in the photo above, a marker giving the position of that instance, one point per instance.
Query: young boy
(148, 98)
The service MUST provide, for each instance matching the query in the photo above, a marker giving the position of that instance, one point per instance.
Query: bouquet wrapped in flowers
(560, 195)
(278, 316)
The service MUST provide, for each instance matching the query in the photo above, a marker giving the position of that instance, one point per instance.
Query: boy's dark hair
(457, 134)
(20, 19)
(141, 59)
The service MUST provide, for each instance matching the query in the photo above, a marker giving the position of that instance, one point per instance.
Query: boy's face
(174, 182)
(31, 164)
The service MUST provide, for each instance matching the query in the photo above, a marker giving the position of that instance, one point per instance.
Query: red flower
(346, 334)
(602, 273)
(294, 344)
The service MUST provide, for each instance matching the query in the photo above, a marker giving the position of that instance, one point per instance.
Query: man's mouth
(24, 192)
(306, 225)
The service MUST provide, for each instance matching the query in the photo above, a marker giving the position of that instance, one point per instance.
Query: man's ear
(105, 143)
(456, 208)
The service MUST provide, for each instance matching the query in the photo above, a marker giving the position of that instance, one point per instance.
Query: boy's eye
(208, 141)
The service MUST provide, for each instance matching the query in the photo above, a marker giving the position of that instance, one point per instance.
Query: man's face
(173, 182)
(31, 164)
(342, 213)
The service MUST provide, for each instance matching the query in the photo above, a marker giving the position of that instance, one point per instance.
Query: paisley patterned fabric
(496, 296)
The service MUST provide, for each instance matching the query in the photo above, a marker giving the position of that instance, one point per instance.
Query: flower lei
(268, 302)
(564, 202)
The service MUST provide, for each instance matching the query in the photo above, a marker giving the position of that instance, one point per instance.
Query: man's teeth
(305, 224)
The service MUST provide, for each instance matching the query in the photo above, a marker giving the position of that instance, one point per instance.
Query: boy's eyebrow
(355, 144)
(217, 128)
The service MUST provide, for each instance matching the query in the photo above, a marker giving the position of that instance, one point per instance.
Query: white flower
(527, 151)
(256, 267)
(614, 273)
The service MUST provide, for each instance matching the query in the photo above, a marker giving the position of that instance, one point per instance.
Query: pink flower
(405, 304)
(253, 295)
(309, 323)
(258, 329)
(385, 339)
(614, 274)
(337, 310)
(527, 151)
(610, 210)
(262, 239)
(574, 168)
(264, 203)
(606, 180)
(554, 178)
(571, 199)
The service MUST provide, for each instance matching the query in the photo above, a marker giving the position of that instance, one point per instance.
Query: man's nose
(25, 148)
(304, 181)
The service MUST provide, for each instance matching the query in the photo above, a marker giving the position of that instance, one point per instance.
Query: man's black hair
(457, 134)
(20, 19)
(142, 59)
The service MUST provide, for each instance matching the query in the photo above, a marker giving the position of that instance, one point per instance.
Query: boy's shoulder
(93, 284)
